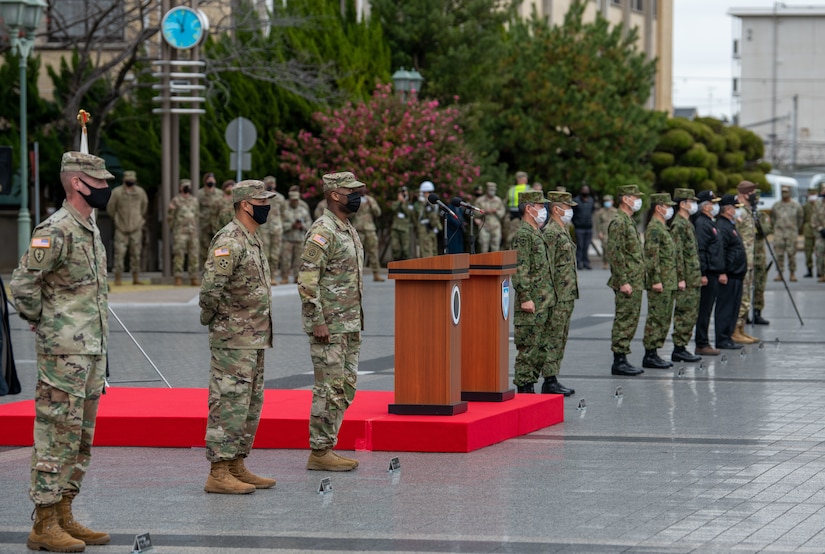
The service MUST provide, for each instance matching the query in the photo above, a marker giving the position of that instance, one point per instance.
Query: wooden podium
(428, 320)
(485, 334)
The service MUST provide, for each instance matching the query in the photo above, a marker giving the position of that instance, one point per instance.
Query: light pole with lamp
(407, 83)
(22, 17)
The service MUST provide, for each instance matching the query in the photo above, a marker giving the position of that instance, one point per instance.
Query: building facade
(777, 81)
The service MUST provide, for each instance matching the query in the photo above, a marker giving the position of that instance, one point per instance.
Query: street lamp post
(407, 83)
(22, 17)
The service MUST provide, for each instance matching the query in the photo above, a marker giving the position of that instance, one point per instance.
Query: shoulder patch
(312, 252)
(221, 252)
(41, 242)
(40, 253)
(319, 239)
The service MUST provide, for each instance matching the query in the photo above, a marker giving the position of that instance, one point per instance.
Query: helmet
(426, 186)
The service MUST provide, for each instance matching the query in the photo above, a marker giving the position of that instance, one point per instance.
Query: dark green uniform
(624, 247)
(686, 305)
(561, 253)
(661, 259)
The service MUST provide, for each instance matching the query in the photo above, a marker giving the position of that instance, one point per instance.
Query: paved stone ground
(727, 456)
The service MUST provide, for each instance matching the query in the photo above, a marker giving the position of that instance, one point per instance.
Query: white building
(779, 80)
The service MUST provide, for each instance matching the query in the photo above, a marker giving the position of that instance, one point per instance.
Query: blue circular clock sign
(183, 28)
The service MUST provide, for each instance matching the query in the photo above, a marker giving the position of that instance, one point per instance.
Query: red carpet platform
(177, 418)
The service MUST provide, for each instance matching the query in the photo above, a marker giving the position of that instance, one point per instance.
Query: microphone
(433, 198)
(459, 203)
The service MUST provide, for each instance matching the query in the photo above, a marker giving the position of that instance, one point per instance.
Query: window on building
(79, 19)
(735, 48)
(638, 5)
(735, 86)
(616, 2)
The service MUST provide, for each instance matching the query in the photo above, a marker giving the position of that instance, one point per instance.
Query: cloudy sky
(702, 48)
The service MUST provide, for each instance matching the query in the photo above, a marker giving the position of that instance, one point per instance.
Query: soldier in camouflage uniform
(661, 259)
(627, 277)
(535, 294)
(602, 219)
(331, 287)
(60, 289)
(402, 220)
(209, 202)
(688, 272)
(760, 266)
(489, 234)
(364, 223)
(271, 233)
(786, 216)
(747, 231)
(236, 304)
(183, 224)
(818, 224)
(296, 220)
(427, 222)
(226, 211)
(808, 232)
(127, 208)
(561, 254)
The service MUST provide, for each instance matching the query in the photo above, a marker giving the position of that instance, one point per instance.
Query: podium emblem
(455, 304)
(505, 299)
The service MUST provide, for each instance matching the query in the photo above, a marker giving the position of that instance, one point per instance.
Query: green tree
(572, 110)
(707, 154)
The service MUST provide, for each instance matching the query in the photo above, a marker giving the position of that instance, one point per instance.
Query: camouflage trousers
(820, 256)
(427, 244)
(291, 258)
(236, 396)
(745, 305)
(659, 317)
(185, 244)
(336, 371)
(132, 242)
(559, 315)
(685, 312)
(530, 335)
(205, 235)
(272, 242)
(400, 243)
(489, 239)
(760, 276)
(810, 244)
(370, 241)
(510, 228)
(64, 426)
(785, 243)
(628, 310)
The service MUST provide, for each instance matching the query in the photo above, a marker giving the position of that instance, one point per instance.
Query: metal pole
(166, 161)
(773, 83)
(23, 219)
(239, 154)
(142, 351)
(36, 170)
(794, 138)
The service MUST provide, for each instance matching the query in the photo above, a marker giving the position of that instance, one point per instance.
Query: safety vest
(512, 195)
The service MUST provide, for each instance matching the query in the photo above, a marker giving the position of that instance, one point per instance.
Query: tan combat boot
(72, 527)
(178, 282)
(352, 461)
(740, 336)
(220, 481)
(118, 279)
(239, 472)
(47, 534)
(195, 282)
(793, 277)
(284, 280)
(327, 460)
(135, 278)
(376, 276)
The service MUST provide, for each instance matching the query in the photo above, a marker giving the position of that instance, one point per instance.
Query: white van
(768, 199)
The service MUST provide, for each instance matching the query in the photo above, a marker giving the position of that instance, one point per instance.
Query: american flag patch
(221, 252)
(41, 242)
(319, 239)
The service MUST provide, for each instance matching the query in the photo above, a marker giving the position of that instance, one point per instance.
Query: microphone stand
(446, 238)
(755, 215)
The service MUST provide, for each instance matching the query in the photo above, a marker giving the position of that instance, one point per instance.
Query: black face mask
(353, 202)
(752, 200)
(187, 190)
(260, 213)
(97, 198)
(129, 183)
(210, 184)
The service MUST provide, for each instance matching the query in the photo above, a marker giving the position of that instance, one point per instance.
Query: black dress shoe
(729, 345)
(526, 389)
(571, 390)
(809, 274)
(758, 319)
(554, 387)
(681, 354)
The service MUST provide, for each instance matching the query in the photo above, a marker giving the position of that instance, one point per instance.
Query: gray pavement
(729, 456)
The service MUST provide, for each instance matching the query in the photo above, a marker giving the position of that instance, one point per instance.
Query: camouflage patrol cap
(84, 163)
(662, 198)
(130, 175)
(607, 197)
(532, 197)
(343, 180)
(630, 190)
(684, 194)
(491, 186)
(250, 189)
(562, 197)
(294, 195)
(270, 180)
(185, 183)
